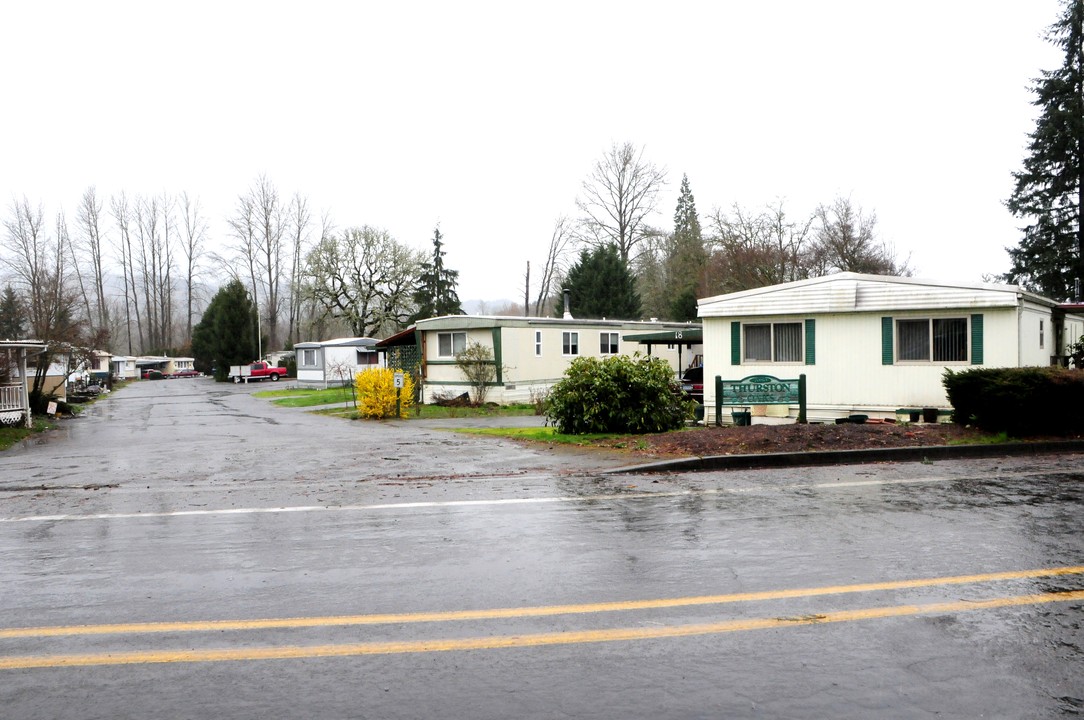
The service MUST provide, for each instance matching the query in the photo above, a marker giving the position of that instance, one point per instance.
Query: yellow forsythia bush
(376, 393)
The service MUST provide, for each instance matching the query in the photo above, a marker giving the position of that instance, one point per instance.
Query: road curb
(851, 457)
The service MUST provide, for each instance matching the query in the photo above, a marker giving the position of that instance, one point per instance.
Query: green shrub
(291, 366)
(617, 395)
(476, 363)
(1019, 401)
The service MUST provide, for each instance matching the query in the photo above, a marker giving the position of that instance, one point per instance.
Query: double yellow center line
(525, 640)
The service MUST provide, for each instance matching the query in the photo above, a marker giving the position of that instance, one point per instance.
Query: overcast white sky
(487, 116)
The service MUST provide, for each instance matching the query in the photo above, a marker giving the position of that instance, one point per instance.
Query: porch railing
(11, 397)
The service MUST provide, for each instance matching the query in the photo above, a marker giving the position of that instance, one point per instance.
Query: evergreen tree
(12, 316)
(683, 308)
(686, 221)
(227, 333)
(601, 286)
(1049, 191)
(436, 294)
(687, 257)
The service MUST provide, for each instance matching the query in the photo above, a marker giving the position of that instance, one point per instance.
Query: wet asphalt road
(318, 568)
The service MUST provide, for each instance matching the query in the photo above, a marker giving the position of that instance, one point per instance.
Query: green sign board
(760, 390)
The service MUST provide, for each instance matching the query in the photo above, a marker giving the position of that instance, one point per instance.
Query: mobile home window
(607, 343)
(932, 340)
(538, 343)
(773, 342)
(450, 344)
(308, 357)
(570, 343)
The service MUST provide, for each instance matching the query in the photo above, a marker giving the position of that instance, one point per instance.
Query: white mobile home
(14, 385)
(334, 362)
(875, 345)
(180, 364)
(124, 367)
(531, 354)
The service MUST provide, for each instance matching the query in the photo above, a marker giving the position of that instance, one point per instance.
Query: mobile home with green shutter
(875, 344)
(531, 354)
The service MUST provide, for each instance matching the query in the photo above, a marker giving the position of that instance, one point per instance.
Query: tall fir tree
(12, 316)
(436, 294)
(601, 286)
(1049, 191)
(227, 333)
(687, 257)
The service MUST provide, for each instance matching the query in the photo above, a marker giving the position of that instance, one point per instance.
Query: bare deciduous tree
(618, 198)
(344, 372)
(243, 228)
(93, 245)
(38, 267)
(271, 229)
(259, 226)
(556, 260)
(73, 262)
(122, 215)
(477, 365)
(154, 225)
(300, 221)
(846, 241)
(192, 239)
(751, 250)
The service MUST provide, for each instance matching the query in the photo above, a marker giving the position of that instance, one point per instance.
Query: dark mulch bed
(736, 440)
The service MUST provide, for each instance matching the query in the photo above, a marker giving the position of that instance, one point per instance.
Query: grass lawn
(9, 436)
(437, 412)
(308, 397)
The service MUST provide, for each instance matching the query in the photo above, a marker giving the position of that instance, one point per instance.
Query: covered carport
(689, 339)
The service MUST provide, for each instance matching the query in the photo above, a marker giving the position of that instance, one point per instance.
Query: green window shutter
(810, 342)
(735, 342)
(887, 355)
(976, 339)
(497, 352)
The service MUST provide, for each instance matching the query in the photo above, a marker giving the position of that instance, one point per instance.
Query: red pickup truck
(256, 371)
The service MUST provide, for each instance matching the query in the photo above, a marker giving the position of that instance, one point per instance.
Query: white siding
(850, 292)
(524, 368)
(1072, 331)
(1031, 353)
(325, 355)
(524, 373)
(849, 374)
(310, 376)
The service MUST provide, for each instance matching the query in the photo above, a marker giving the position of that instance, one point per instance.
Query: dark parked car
(186, 373)
(692, 383)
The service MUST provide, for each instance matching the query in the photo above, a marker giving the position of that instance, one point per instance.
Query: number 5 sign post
(398, 393)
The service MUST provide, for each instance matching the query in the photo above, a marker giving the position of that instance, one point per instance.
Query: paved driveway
(189, 551)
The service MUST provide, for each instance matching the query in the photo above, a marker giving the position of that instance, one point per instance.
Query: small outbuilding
(334, 362)
(876, 345)
(124, 367)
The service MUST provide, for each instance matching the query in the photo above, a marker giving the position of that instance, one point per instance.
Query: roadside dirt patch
(733, 440)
